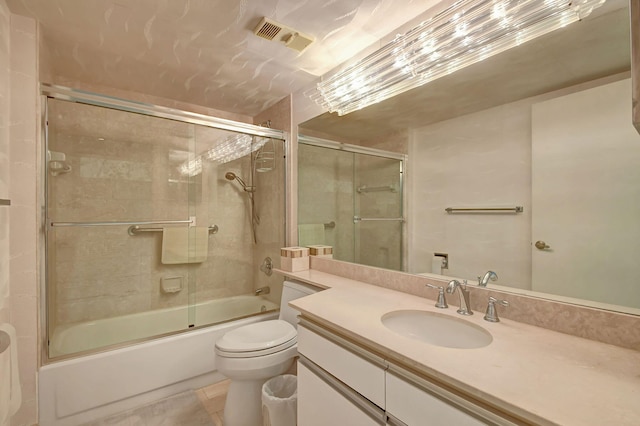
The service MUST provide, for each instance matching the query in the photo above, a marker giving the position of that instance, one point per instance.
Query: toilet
(252, 354)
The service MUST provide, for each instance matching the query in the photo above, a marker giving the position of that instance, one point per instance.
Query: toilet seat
(257, 339)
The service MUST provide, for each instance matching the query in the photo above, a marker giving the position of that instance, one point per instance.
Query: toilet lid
(257, 336)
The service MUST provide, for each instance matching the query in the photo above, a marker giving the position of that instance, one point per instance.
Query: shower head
(233, 176)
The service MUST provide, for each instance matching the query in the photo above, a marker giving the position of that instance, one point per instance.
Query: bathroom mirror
(545, 126)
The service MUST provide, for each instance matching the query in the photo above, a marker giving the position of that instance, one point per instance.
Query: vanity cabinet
(342, 383)
(323, 401)
(336, 384)
(412, 405)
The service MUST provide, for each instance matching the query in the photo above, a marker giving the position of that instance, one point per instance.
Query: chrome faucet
(490, 275)
(492, 313)
(263, 290)
(441, 302)
(464, 296)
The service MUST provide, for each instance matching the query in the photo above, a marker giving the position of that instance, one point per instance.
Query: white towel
(311, 234)
(185, 245)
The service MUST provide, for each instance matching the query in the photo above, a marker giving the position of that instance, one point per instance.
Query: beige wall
(480, 159)
(18, 223)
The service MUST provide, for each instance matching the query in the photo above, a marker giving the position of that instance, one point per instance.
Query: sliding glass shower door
(153, 224)
(351, 198)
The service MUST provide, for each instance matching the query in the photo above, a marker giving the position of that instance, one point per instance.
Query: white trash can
(280, 401)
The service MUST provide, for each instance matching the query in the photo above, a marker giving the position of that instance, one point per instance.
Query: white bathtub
(85, 336)
(89, 387)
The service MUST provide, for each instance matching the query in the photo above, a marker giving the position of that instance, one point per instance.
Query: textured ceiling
(204, 51)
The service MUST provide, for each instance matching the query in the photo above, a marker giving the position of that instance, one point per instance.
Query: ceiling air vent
(291, 38)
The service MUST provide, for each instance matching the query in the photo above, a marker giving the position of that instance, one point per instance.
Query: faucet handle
(442, 302)
(492, 314)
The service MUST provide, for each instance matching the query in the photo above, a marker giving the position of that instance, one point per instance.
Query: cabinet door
(363, 375)
(416, 407)
(321, 403)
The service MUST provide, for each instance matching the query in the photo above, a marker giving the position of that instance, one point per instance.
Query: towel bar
(136, 229)
(516, 209)
(145, 222)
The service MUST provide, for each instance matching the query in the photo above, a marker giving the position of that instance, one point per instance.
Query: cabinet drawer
(321, 404)
(362, 375)
(414, 406)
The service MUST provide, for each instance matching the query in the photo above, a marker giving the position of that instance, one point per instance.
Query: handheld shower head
(233, 176)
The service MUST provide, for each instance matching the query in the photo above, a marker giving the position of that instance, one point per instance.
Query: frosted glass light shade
(466, 33)
(224, 151)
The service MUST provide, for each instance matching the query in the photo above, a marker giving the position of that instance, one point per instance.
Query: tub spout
(263, 290)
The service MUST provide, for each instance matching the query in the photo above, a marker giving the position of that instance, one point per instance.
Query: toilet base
(244, 403)
(244, 397)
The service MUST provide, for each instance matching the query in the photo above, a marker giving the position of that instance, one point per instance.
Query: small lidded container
(294, 259)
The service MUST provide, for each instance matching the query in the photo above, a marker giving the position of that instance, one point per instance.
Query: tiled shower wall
(270, 200)
(329, 180)
(379, 243)
(133, 175)
(326, 194)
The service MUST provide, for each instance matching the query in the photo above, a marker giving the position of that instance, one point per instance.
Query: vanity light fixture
(466, 33)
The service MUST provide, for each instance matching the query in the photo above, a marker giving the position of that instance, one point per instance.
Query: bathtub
(85, 336)
(89, 387)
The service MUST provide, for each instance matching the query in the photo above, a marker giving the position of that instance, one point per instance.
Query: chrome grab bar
(365, 188)
(146, 222)
(357, 219)
(136, 229)
(516, 209)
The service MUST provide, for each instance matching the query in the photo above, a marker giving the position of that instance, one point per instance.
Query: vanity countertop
(542, 376)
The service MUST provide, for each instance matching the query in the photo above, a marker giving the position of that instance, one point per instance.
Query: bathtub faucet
(263, 290)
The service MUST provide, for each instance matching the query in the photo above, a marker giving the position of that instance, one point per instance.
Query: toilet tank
(290, 291)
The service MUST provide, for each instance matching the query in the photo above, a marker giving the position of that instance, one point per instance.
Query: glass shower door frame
(82, 97)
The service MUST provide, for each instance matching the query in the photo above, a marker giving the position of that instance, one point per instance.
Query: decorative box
(321, 251)
(294, 259)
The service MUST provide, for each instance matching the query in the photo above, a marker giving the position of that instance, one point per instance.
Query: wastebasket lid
(257, 336)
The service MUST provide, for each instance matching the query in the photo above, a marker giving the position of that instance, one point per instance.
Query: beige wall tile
(23, 212)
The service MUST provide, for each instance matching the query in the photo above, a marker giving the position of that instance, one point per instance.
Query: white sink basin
(437, 329)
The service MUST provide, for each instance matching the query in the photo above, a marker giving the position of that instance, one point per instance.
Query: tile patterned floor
(213, 398)
(203, 407)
